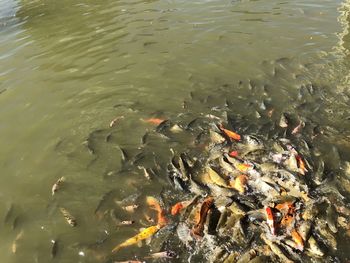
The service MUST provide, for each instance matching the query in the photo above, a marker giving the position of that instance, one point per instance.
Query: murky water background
(68, 68)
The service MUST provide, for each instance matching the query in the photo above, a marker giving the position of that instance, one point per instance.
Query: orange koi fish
(199, 227)
(243, 167)
(175, 209)
(233, 154)
(298, 240)
(154, 204)
(155, 121)
(287, 221)
(286, 207)
(301, 164)
(230, 134)
(270, 220)
(144, 234)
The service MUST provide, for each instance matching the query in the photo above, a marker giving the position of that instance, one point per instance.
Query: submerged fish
(144, 234)
(69, 218)
(57, 185)
(155, 121)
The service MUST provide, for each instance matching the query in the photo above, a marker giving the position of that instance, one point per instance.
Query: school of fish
(242, 198)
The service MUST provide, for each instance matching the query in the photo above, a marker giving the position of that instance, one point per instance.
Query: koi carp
(155, 121)
(301, 165)
(154, 204)
(298, 240)
(144, 234)
(175, 209)
(270, 219)
(206, 206)
(230, 134)
(233, 154)
(243, 167)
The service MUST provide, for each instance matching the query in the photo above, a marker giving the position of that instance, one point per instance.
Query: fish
(130, 208)
(115, 121)
(240, 183)
(146, 174)
(286, 207)
(270, 220)
(233, 154)
(154, 204)
(230, 134)
(247, 256)
(244, 167)
(283, 123)
(163, 254)
(155, 121)
(313, 248)
(298, 128)
(175, 209)
(304, 229)
(54, 248)
(216, 178)
(331, 218)
(216, 138)
(56, 186)
(287, 222)
(298, 240)
(142, 235)
(14, 245)
(301, 165)
(126, 223)
(197, 230)
(270, 112)
(276, 250)
(69, 218)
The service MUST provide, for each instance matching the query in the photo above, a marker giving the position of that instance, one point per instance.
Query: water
(67, 69)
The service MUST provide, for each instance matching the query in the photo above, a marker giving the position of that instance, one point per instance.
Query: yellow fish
(144, 234)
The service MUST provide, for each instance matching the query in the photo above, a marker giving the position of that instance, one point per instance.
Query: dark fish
(205, 207)
(54, 248)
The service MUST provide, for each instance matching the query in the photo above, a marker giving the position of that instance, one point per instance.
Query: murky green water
(68, 68)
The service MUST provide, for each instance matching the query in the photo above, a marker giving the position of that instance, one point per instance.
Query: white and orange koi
(270, 220)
